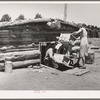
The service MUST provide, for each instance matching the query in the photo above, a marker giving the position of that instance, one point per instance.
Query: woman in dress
(83, 45)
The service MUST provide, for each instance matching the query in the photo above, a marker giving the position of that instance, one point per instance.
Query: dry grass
(94, 41)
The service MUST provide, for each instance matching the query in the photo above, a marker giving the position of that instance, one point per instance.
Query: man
(49, 56)
(83, 45)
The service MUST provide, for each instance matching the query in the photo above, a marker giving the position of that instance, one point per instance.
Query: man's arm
(51, 53)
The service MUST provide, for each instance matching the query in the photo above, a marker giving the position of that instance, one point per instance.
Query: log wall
(31, 33)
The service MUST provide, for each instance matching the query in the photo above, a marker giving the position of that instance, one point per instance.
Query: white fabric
(64, 37)
(75, 48)
(58, 46)
(58, 57)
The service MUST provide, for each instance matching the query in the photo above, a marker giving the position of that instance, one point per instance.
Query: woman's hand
(78, 38)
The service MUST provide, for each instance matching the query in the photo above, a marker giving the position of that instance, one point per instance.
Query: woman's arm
(77, 32)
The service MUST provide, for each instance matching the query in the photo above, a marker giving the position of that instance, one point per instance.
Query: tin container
(8, 65)
(90, 59)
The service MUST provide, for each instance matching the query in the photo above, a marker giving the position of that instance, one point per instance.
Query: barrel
(8, 65)
(90, 58)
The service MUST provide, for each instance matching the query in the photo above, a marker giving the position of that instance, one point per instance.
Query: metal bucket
(90, 58)
(8, 65)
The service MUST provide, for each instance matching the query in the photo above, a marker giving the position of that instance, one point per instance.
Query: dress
(83, 43)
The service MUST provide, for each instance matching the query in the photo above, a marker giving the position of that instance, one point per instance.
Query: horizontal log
(25, 63)
(20, 64)
(20, 55)
(24, 57)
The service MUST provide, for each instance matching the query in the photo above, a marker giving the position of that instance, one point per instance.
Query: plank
(76, 71)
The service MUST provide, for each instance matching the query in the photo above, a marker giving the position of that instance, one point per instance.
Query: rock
(54, 73)
(46, 78)
(37, 70)
(36, 67)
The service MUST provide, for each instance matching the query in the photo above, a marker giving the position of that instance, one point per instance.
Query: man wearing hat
(49, 56)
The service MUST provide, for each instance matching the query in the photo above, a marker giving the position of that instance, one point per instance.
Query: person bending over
(49, 56)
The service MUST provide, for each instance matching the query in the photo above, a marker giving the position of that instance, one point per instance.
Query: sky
(76, 12)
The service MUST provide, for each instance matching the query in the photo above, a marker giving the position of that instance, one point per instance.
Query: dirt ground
(51, 79)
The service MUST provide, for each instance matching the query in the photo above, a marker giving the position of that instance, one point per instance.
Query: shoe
(82, 67)
(76, 65)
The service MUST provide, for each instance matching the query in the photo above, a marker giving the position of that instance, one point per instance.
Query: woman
(83, 45)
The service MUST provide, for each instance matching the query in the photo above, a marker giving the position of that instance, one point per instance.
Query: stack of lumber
(20, 58)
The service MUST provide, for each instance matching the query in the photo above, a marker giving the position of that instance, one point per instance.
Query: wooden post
(65, 12)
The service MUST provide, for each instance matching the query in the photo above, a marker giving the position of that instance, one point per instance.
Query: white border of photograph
(38, 94)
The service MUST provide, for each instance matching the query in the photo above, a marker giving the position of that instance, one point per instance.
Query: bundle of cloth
(68, 45)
